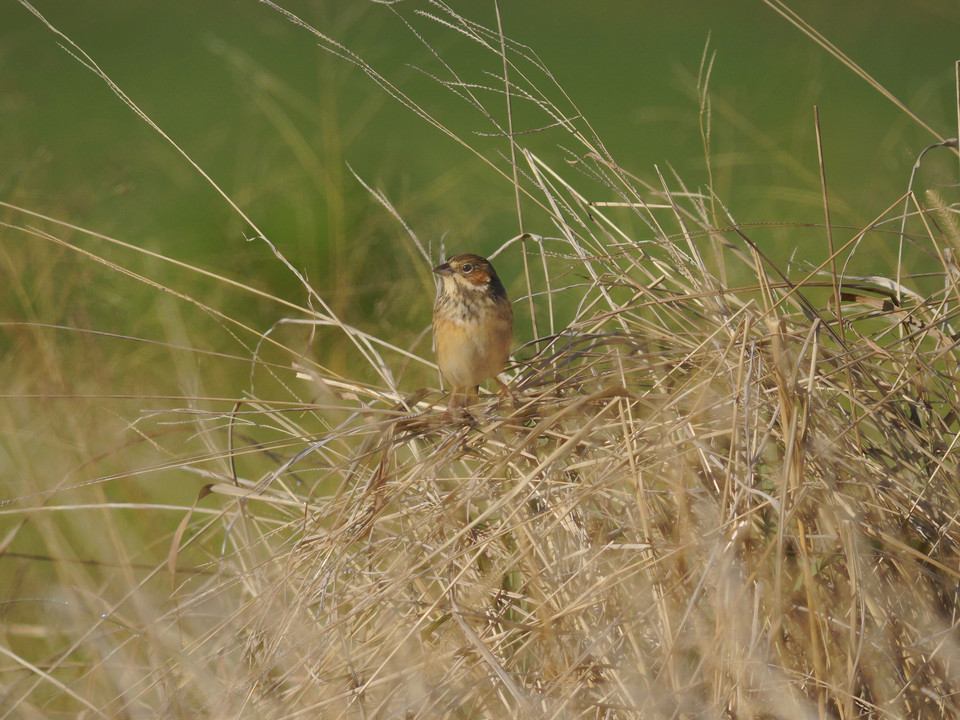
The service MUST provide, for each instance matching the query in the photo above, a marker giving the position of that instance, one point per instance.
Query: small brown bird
(472, 325)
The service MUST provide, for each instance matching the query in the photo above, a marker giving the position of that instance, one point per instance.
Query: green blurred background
(279, 122)
(275, 120)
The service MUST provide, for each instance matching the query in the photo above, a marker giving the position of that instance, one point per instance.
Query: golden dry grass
(725, 489)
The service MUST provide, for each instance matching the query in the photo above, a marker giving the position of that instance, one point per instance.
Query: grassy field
(727, 486)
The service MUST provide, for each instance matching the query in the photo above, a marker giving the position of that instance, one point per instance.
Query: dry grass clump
(707, 502)
(722, 491)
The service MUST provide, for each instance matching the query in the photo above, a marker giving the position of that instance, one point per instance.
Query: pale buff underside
(473, 351)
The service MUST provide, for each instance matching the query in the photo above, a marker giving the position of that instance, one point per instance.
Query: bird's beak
(443, 270)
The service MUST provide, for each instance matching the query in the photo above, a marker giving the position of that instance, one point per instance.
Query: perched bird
(472, 325)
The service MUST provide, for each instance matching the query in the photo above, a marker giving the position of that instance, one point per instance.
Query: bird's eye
(466, 268)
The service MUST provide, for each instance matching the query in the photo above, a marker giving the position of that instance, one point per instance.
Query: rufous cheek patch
(479, 277)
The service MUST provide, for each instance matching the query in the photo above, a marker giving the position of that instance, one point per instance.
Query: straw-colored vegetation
(725, 489)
